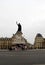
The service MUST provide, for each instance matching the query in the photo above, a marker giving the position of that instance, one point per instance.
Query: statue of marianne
(19, 26)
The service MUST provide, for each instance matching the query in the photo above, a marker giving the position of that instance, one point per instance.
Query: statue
(19, 26)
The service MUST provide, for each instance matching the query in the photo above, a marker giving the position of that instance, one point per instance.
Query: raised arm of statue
(19, 26)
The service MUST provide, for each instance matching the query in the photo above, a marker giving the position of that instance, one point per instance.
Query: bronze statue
(19, 26)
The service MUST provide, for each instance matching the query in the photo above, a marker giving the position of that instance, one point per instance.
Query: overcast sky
(30, 13)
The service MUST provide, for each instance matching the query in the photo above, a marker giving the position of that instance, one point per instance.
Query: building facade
(5, 43)
(39, 42)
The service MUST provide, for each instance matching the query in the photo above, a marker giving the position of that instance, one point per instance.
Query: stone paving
(29, 57)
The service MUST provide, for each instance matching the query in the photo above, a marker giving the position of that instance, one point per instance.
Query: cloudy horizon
(30, 13)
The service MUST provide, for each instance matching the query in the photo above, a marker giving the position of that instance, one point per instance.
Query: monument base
(18, 41)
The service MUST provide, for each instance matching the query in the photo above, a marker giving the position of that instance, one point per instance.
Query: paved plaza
(27, 57)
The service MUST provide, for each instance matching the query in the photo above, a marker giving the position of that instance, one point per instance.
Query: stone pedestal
(18, 40)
